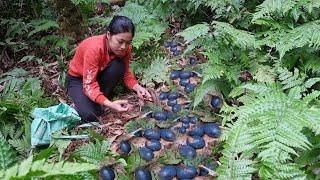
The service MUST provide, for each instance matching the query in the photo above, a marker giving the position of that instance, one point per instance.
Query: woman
(100, 62)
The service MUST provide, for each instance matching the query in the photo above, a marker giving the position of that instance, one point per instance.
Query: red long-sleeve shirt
(92, 57)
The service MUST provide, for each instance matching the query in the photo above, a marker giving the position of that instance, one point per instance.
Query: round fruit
(161, 116)
(197, 130)
(172, 102)
(192, 60)
(151, 134)
(176, 108)
(146, 154)
(185, 120)
(125, 147)
(186, 125)
(212, 129)
(163, 96)
(187, 172)
(193, 119)
(107, 173)
(173, 49)
(188, 88)
(154, 145)
(173, 95)
(184, 82)
(215, 101)
(185, 75)
(174, 74)
(173, 44)
(142, 174)
(187, 151)
(167, 135)
(167, 172)
(167, 44)
(181, 130)
(203, 171)
(196, 142)
(176, 53)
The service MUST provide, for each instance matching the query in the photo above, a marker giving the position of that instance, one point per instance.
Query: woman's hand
(119, 105)
(142, 92)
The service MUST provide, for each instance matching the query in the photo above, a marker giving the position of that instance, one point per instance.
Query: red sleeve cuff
(131, 84)
(100, 99)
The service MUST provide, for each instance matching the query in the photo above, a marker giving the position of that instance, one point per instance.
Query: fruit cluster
(173, 47)
(184, 81)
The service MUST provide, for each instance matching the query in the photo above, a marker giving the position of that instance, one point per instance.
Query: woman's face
(119, 43)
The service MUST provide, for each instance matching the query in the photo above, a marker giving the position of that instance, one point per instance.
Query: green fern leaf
(265, 74)
(239, 38)
(41, 169)
(7, 155)
(43, 25)
(195, 31)
(93, 152)
(157, 72)
(22, 145)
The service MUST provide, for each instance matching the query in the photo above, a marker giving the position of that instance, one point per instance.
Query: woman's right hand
(118, 105)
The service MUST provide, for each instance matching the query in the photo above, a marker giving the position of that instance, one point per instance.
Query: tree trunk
(70, 18)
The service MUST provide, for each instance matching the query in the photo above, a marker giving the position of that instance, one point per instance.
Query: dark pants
(107, 79)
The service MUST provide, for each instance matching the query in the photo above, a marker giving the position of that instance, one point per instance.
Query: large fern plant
(265, 134)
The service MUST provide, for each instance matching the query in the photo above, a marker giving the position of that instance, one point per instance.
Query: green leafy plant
(7, 155)
(263, 135)
(156, 73)
(42, 169)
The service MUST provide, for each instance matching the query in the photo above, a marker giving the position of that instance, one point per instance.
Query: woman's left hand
(142, 92)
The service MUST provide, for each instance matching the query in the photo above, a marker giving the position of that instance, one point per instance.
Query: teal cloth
(51, 119)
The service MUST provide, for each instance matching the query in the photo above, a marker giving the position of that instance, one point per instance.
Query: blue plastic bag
(51, 119)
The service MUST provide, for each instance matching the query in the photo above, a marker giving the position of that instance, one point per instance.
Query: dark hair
(121, 24)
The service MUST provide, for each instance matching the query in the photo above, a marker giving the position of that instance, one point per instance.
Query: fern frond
(157, 72)
(265, 74)
(93, 153)
(275, 122)
(22, 145)
(307, 34)
(268, 7)
(7, 155)
(239, 38)
(195, 31)
(42, 169)
(42, 25)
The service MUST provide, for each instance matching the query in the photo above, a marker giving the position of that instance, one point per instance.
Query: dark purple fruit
(215, 102)
(167, 134)
(107, 173)
(151, 134)
(146, 153)
(192, 60)
(186, 125)
(175, 74)
(212, 129)
(138, 133)
(186, 172)
(161, 116)
(187, 151)
(185, 120)
(196, 142)
(125, 147)
(173, 49)
(189, 88)
(185, 75)
(142, 174)
(176, 108)
(193, 119)
(173, 44)
(203, 171)
(184, 82)
(154, 145)
(167, 44)
(197, 130)
(181, 130)
(173, 96)
(167, 172)
(172, 102)
(163, 96)
(176, 53)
